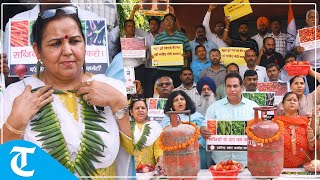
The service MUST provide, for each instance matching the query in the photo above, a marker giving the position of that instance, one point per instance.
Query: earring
(38, 68)
(84, 67)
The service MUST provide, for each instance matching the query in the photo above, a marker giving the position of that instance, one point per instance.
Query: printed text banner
(167, 55)
(133, 47)
(155, 108)
(226, 135)
(308, 40)
(21, 51)
(233, 55)
(237, 9)
(130, 78)
(154, 7)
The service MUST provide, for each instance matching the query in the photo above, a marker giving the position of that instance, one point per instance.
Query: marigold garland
(265, 140)
(181, 145)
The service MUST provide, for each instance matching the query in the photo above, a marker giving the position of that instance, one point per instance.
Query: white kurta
(72, 129)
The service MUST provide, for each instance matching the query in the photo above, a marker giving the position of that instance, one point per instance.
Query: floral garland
(143, 139)
(181, 145)
(49, 128)
(265, 140)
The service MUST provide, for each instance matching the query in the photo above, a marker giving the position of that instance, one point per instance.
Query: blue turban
(206, 81)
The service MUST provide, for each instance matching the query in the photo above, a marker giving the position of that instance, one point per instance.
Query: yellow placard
(167, 55)
(154, 7)
(233, 55)
(237, 9)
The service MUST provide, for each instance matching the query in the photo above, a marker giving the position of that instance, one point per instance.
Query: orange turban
(263, 20)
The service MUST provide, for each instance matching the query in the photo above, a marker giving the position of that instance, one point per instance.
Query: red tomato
(219, 167)
(300, 63)
(233, 167)
(294, 63)
(211, 167)
(229, 162)
(223, 163)
(145, 169)
(306, 62)
(226, 167)
(139, 167)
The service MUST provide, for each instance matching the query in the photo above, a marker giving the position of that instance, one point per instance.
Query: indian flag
(291, 29)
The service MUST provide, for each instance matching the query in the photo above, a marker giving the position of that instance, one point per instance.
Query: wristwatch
(121, 113)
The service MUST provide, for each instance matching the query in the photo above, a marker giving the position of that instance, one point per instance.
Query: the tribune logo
(22, 151)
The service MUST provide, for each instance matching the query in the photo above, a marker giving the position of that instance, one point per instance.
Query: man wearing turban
(207, 90)
(263, 25)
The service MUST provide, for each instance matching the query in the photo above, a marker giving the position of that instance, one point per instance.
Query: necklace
(49, 128)
(143, 139)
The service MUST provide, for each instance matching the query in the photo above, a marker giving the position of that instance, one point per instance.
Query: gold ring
(89, 103)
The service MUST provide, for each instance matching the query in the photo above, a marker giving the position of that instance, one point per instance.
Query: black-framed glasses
(52, 12)
(164, 83)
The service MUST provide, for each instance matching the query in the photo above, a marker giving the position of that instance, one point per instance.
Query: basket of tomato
(298, 68)
(229, 168)
(144, 171)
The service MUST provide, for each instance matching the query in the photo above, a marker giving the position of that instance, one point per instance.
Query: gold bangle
(226, 29)
(10, 128)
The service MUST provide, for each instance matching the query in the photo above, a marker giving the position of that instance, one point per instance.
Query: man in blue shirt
(201, 39)
(234, 107)
(200, 63)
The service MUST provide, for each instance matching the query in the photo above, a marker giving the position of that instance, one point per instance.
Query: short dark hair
(290, 54)
(186, 69)
(189, 103)
(129, 20)
(243, 23)
(199, 26)
(265, 39)
(275, 19)
(220, 22)
(292, 79)
(272, 65)
(214, 50)
(233, 75)
(250, 73)
(234, 64)
(154, 19)
(169, 14)
(198, 46)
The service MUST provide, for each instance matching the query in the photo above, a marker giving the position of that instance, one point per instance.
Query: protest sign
(167, 55)
(133, 47)
(308, 40)
(279, 88)
(237, 9)
(129, 77)
(226, 135)
(21, 51)
(154, 7)
(155, 108)
(233, 55)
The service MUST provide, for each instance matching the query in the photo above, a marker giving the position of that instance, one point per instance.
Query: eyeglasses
(52, 12)
(165, 83)
(138, 99)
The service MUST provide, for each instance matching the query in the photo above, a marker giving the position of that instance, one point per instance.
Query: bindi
(66, 37)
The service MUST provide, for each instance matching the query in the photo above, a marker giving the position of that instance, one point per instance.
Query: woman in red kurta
(298, 135)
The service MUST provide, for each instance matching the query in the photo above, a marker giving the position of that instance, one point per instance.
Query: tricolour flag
(291, 29)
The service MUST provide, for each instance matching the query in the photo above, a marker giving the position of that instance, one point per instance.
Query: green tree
(124, 11)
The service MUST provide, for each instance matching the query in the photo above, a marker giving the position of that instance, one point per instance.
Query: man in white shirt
(219, 30)
(250, 57)
(262, 26)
